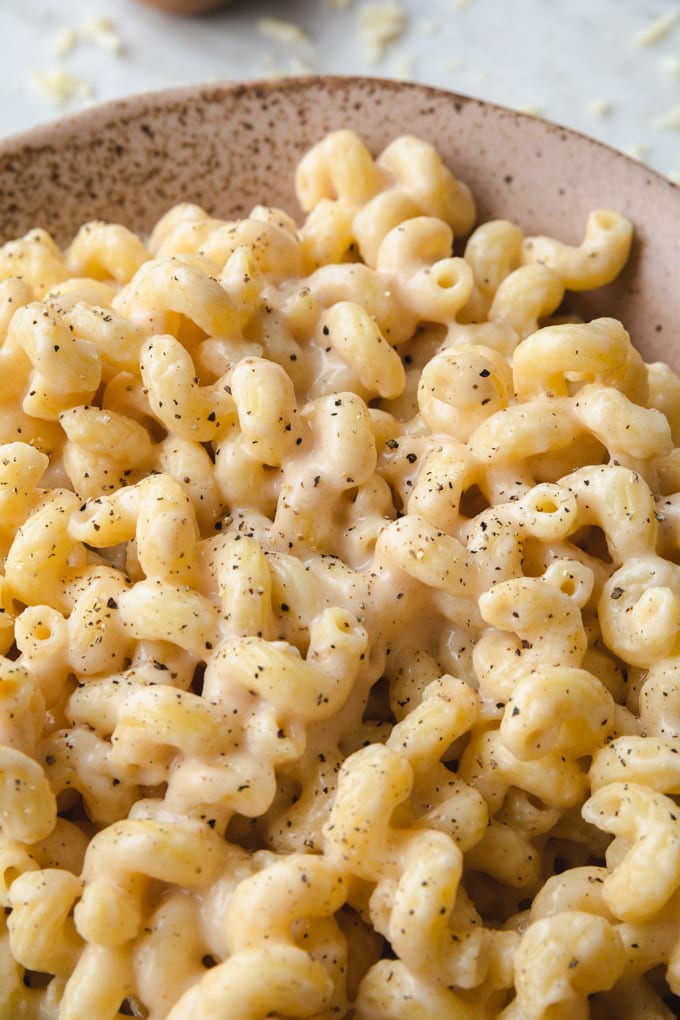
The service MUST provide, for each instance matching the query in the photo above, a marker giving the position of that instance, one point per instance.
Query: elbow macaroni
(339, 616)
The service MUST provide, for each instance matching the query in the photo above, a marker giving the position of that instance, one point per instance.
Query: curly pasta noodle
(339, 617)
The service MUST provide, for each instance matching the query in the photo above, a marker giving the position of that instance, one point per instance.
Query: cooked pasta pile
(340, 616)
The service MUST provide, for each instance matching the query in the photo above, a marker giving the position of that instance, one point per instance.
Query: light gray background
(577, 62)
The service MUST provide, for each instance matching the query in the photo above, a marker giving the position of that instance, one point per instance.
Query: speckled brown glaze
(228, 147)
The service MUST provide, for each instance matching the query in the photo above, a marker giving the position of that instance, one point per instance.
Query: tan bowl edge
(229, 146)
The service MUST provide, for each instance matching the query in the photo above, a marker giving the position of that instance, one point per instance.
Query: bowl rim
(92, 164)
(75, 120)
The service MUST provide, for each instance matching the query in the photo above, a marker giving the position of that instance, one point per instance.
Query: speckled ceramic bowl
(228, 147)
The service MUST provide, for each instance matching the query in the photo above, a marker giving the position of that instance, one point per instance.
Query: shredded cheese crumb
(533, 109)
(599, 107)
(60, 86)
(405, 68)
(281, 31)
(102, 32)
(381, 25)
(639, 152)
(64, 41)
(657, 30)
(674, 176)
(670, 120)
(98, 31)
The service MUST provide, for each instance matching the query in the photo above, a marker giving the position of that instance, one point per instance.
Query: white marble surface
(580, 63)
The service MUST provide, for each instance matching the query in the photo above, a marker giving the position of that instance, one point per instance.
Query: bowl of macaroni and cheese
(340, 589)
